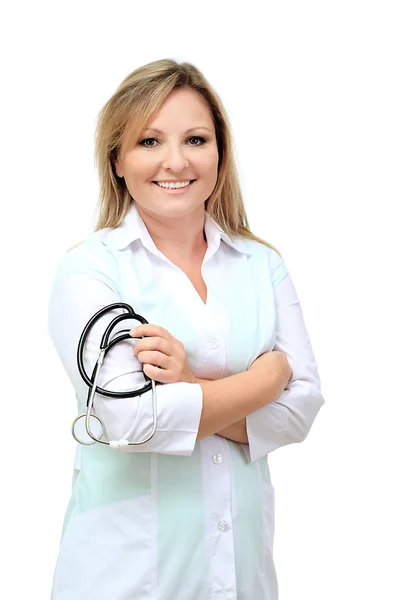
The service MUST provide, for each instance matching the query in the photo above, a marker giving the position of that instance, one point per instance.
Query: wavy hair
(131, 108)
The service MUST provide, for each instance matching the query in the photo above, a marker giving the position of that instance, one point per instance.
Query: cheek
(209, 164)
(137, 162)
(137, 173)
(138, 166)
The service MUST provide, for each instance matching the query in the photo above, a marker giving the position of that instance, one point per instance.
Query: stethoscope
(93, 429)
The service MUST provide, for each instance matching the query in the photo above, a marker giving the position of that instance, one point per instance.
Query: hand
(237, 432)
(274, 357)
(160, 349)
(275, 360)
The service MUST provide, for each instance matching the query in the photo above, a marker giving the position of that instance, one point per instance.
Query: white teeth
(174, 185)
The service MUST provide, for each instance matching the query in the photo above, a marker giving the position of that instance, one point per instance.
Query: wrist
(237, 432)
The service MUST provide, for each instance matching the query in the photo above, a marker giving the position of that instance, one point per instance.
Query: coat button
(217, 459)
(222, 525)
(214, 342)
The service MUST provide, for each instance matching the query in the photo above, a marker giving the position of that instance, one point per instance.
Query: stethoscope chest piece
(80, 433)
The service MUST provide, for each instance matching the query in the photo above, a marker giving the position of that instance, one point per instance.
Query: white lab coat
(176, 518)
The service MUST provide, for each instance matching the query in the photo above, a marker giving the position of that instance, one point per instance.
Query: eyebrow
(188, 131)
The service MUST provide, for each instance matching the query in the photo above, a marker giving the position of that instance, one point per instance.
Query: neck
(181, 239)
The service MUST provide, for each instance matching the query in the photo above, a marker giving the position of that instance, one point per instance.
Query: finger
(157, 374)
(153, 343)
(154, 358)
(150, 330)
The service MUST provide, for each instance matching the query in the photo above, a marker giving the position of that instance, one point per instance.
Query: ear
(118, 169)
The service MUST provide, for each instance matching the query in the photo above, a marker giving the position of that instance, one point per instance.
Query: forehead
(182, 109)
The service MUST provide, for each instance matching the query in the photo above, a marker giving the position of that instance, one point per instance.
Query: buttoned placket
(217, 478)
(219, 517)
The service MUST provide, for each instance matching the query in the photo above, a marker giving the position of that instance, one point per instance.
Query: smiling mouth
(192, 181)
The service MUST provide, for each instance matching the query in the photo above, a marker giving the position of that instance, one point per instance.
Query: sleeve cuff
(267, 430)
(179, 408)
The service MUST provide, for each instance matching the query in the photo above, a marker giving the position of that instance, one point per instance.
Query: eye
(193, 137)
(142, 143)
(197, 137)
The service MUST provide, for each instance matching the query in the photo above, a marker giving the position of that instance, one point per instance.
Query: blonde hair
(132, 106)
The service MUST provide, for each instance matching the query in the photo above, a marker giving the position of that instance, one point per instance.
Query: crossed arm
(237, 431)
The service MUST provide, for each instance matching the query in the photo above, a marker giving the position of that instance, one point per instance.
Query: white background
(312, 92)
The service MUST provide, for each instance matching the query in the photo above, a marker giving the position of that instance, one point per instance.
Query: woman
(189, 515)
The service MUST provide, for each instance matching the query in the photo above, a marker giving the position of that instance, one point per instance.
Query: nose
(174, 158)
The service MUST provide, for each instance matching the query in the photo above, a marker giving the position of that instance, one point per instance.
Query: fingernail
(133, 331)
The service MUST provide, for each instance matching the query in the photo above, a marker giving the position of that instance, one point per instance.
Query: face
(173, 153)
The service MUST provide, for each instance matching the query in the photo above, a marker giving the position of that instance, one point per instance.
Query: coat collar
(133, 228)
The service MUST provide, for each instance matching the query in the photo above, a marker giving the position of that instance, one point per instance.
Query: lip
(185, 180)
(177, 191)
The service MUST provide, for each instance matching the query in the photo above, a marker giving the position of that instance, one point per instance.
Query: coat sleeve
(289, 418)
(79, 290)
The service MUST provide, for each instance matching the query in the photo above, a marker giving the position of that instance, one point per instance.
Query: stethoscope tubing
(105, 347)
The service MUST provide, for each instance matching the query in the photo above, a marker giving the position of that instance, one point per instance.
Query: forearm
(227, 402)
(237, 431)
